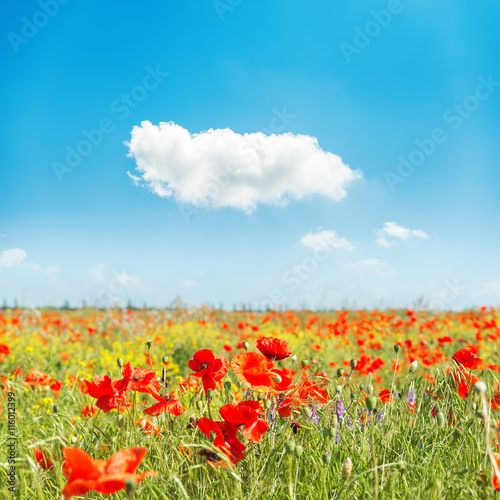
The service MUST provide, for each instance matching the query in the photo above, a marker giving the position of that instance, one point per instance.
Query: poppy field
(210, 404)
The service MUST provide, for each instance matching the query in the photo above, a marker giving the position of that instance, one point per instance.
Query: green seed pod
(440, 420)
(326, 457)
(130, 487)
(353, 364)
(246, 345)
(298, 451)
(119, 362)
(165, 359)
(261, 396)
(340, 372)
(371, 403)
(304, 362)
(290, 447)
(199, 404)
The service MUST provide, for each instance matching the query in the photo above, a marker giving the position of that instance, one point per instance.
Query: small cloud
(12, 257)
(325, 239)
(190, 284)
(221, 168)
(392, 233)
(370, 266)
(136, 180)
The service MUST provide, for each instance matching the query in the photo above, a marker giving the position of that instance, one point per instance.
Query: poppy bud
(148, 344)
(353, 364)
(293, 358)
(396, 348)
(142, 423)
(246, 345)
(338, 388)
(480, 387)
(362, 387)
(261, 396)
(199, 404)
(210, 394)
(165, 359)
(353, 395)
(227, 386)
(306, 411)
(304, 362)
(73, 439)
(440, 419)
(277, 378)
(290, 447)
(121, 421)
(371, 403)
(298, 451)
(326, 457)
(346, 468)
(212, 436)
(369, 388)
(413, 366)
(119, 362)
(456, 434)
(130, 487)
(268, 403)
(55, 408)
(330, 432)
(340, 372)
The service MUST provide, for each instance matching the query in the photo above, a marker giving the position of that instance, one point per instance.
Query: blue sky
(370, 81)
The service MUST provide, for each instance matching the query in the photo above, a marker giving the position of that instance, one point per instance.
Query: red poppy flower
(496, 479)
(149, 426)
(384, 395)
(103, 476)
(36, 377)
(168, 404)
(252, 369)
(467, 358)
(285, 408)
(56, 388)
(210, 368)
(43, 459)
(88, 410)
(139, 379)
(225, 440)
(462, 382)
(107, 392)
(247, 414)
(4, 349)
(274, 349)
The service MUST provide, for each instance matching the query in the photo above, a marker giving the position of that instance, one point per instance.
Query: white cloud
(12, 257)
(220, 168)
(371, 266)
(325, 239)
(392, 233)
